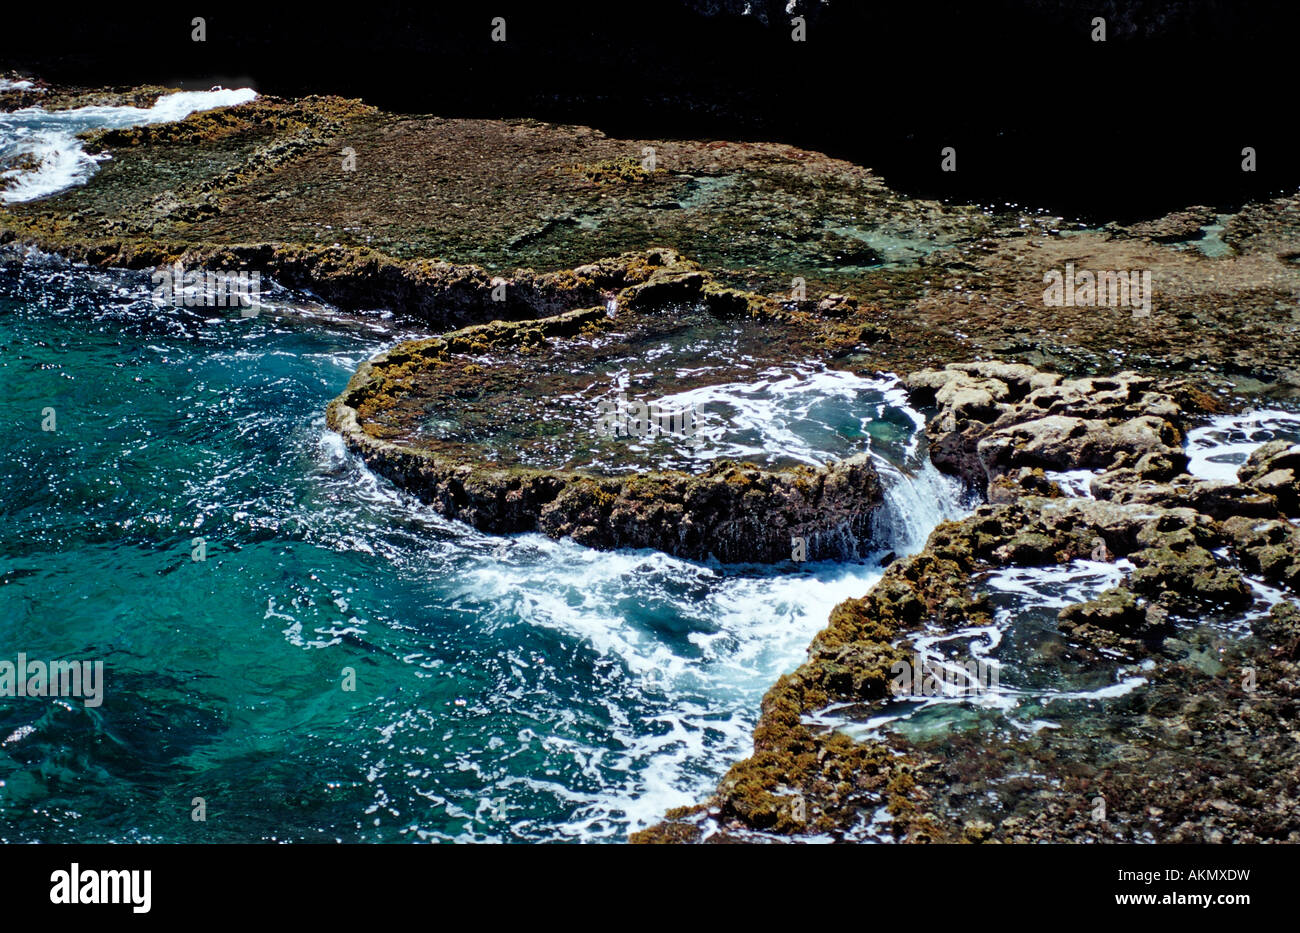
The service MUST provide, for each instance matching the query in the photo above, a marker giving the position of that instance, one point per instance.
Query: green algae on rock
(263, 189)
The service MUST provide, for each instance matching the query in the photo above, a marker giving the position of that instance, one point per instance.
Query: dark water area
(1153, 119)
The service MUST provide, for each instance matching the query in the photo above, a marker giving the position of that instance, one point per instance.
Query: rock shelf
(502, 376)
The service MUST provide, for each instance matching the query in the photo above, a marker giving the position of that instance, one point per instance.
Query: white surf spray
(20, 84)
(1219, 448)
(693, 646)
(40, 153)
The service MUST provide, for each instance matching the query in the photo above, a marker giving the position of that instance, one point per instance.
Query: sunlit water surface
(506, 688)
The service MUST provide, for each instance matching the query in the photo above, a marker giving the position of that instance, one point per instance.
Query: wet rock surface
(944, 283)
(1274, 470)
(725, 510)
(1186, 728)
(995, 417)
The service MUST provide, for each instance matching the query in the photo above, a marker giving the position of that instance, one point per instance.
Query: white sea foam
(804, 414)
(813, 415)
(48, 138)
(745, 626)
(693, 644)
(745, 630)
(1056, 587)
(1073, 482)
(1219, 448)
(683, 651)
(1049, 588)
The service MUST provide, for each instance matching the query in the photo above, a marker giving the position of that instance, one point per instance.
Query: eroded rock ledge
(949, 282)
(1204, 750)
(735, 512)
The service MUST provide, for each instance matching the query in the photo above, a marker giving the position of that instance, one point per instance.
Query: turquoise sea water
(506, 688)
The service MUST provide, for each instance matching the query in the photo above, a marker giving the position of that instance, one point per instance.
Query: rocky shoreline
(437, 214)
(1204, 752)
(263, 186)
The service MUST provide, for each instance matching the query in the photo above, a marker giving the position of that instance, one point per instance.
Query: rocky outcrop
(994, 418)
(943, 282)
(1274, 470)
(1269, 548)
(729, 511)
(262, 188)
(1203, 726)
(1115, 619)
(1215, 498)
(732, 512)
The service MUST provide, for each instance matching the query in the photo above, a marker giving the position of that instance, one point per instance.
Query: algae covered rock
(1281, 628)
(1114, 619)
(1191, 542)
(1189, 579)
(1274, 469)
(497, 424)
(997, 418)
(1270, 548)
(1027, 481)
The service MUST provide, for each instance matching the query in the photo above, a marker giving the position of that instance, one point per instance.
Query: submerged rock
(1114, 619)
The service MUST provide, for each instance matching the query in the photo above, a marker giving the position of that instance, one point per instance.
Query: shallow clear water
(506, 688)
(1219, 448)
